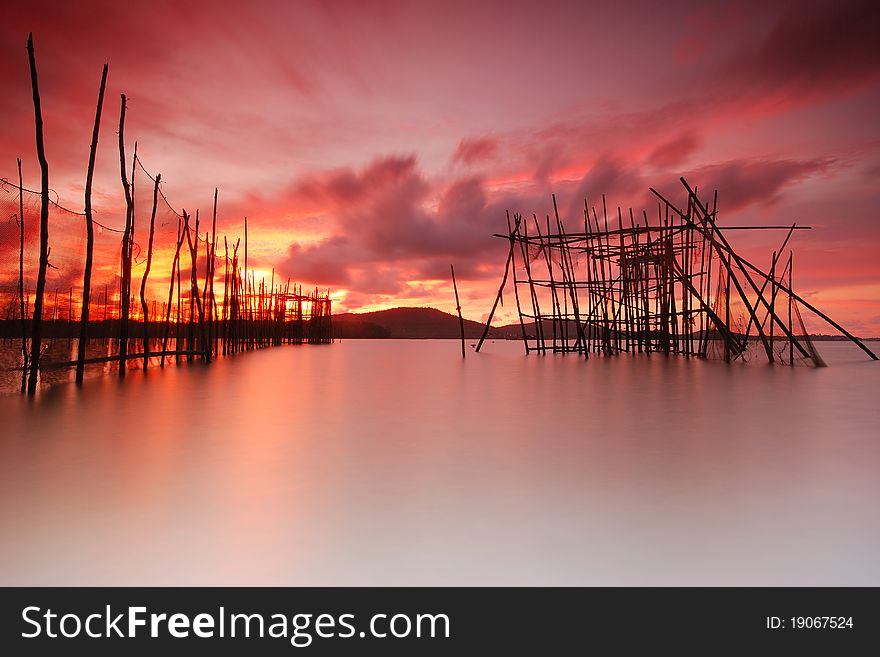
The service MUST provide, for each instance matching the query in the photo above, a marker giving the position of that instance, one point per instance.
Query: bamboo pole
(501, 287)
(37, 324)
(21, 300)
(545, 250)
(225, 321)
(193, 244)
(194, 288)
(790, 303)
(773, 294)
(457, 308)
(569, 279)
(745, 264)
(175, 266)
(726, 308)
(211, 264)
(588, 265)
(178, 324)
(536, 308)
(147, 273)
(206, 325)
(127, 239)
(722, 246)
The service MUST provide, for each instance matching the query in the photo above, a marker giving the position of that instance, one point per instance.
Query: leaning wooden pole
(127, 238)
(500, 288)
(90, 239)
(790, 304)
(815, 310)
(147, 273)
(743, 264)
(177, 324)
(458, 309)
(37, 324)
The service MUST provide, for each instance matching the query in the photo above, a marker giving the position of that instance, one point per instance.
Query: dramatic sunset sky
(371, 144)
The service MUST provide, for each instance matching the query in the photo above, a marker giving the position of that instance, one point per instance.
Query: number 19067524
(810, 623)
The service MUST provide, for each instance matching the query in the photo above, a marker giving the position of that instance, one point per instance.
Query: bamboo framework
(64, 303)
(671, 283)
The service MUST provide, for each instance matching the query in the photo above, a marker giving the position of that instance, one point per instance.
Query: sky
(373, 144)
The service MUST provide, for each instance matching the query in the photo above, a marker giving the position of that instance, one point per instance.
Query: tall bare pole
(193, 243)
(37, 324)
(205, 326)
(175, 266)
(127, 238)
(90, 239)
(178, 325)
(212, 329)
(147, 273)
(501, 287)
(790, 303)
(23, 308)
(458, 308)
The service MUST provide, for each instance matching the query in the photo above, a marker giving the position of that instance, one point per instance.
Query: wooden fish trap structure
(77, 292)
(671, 283)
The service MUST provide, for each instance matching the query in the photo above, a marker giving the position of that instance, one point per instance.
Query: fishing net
(174, 305)
(787, 337)
(63, 293)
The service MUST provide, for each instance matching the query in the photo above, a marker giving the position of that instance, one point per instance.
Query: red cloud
(674, 151)
(388, 223)
(249, 100)
(470, 151)
(814, 50)
(744, 182)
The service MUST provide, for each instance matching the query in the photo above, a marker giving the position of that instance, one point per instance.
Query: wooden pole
(21, 301)
(522, 326)
(773, 294)
(212, 329)
(588, 265)
(536, 308)
(569, 278)
(458, 309)
(37, 324)
(743, 264)
(207, 345)
(178, 324)
(790, 303)
(147, 273)
(500, 288)
(175, 266)
(726, 310)
(225, 323)
(193, 244)
(722, 246)
(190, 335)
(127, 239)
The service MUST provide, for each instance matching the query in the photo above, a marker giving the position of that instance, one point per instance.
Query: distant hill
(430, 323)
(419, 323)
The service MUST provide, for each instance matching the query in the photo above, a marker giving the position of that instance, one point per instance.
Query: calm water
(394, 462)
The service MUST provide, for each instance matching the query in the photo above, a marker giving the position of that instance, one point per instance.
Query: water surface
(395, 462)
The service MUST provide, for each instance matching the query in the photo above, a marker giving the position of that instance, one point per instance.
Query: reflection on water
(394, 462)
(57, 355)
